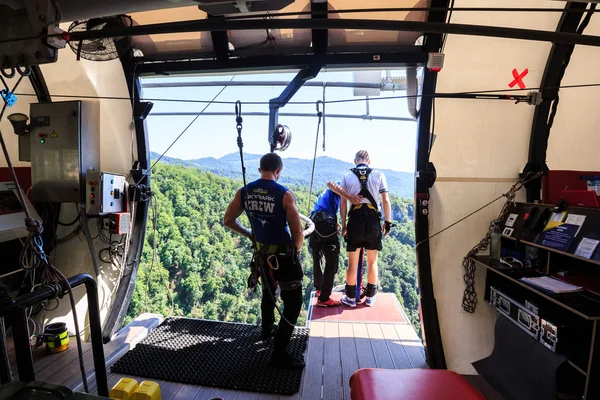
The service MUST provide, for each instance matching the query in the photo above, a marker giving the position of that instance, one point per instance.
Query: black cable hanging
(473, 95)
(312, 175)
(324, 83)
(182, 133)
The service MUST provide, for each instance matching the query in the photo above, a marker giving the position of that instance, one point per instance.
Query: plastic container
(496, 242)
(147, 390)
(124, 389)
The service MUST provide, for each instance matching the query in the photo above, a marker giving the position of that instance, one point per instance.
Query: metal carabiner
(8, 75)
(25, 71)
(270, 264)
(238, 114)
(319, 112)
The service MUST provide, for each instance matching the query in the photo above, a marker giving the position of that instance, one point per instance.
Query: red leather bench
(410, 384)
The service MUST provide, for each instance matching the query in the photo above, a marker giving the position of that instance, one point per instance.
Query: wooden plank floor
(46, 365)
(335, 351)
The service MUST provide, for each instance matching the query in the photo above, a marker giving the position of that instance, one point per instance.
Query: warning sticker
(53, 134)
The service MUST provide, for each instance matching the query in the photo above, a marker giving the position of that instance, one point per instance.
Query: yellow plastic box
(147, 390)
(124, 389)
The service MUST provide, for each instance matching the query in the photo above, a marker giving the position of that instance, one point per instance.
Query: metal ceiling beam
(320, 37)
(366, 85)
(220, 42)
(540, 132)
(39, 84)
(265, 114)
(281, 51)
(265, 63)
(432, 337)
(275, 104)
(374, 25)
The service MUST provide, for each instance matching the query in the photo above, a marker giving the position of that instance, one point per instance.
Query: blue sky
(391, 144)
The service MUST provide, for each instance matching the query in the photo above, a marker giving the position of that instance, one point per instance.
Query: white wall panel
(481, 147)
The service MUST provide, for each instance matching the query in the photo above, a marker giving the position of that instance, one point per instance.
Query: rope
(324, 83)
(312, 175)
(182, 132)
(352, 100)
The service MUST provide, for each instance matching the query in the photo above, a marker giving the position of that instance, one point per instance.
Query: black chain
(469, 301)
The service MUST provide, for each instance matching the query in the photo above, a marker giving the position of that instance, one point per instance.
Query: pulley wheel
(282, 137)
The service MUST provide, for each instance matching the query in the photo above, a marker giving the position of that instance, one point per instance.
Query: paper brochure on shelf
(575, 219)
(586, 248)
(552, 285)
(559, 237)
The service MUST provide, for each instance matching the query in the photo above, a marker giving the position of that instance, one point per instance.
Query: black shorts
(364, 229)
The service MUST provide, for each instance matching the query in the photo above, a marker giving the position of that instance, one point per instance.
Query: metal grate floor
(210, 353)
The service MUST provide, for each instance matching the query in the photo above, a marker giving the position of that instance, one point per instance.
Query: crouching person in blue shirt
(324, 242)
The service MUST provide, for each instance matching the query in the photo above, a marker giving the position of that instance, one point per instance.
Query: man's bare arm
(337, 189)
(387, 206)
(234, 210)
(343, 213)
(293, 219)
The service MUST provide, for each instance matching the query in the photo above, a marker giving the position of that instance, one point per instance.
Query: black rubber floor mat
(211, 353)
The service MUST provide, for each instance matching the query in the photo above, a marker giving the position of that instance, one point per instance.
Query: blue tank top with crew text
(264, 207)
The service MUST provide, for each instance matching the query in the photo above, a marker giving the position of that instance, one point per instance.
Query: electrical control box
(118, 224)
(64, 142)
(519, 314)
(106, 193)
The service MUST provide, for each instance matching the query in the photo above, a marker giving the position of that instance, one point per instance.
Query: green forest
(193, 266)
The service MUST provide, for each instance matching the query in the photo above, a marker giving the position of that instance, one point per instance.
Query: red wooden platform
(386, 309)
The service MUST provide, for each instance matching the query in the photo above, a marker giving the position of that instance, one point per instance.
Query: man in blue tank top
(278, 236)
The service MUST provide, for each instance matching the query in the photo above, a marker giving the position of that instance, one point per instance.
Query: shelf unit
(579, 312)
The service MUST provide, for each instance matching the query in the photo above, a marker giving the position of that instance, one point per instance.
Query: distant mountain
(296, 171)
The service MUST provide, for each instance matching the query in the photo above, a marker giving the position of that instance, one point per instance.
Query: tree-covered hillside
(296, 171)
(193, 266)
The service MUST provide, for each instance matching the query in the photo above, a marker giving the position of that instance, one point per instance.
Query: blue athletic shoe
(370, 301)
(349, 301)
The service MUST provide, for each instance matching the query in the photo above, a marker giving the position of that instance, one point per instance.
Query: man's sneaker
(269, 332)
(370, 301)
(287, 361)
(317, 293)
(329, 303)
(350, 302)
